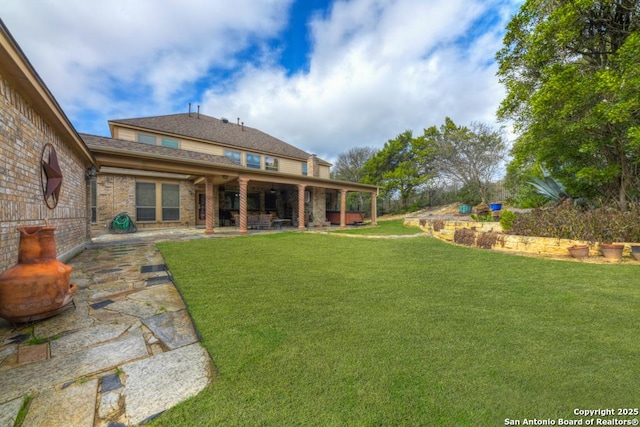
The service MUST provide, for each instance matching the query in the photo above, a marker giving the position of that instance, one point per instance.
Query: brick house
(41, 155)
(186, 170)
(180, 170)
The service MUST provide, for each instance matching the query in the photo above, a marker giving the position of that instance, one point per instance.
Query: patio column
(301, 188)
(243, 204)
(374, 208)
(209, 219)
(343, 208)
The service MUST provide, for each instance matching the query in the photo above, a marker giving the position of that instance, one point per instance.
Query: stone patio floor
(123, 353)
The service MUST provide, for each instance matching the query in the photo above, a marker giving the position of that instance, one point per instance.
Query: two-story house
(195, 170)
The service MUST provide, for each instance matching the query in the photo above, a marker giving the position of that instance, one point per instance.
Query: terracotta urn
(38, 286)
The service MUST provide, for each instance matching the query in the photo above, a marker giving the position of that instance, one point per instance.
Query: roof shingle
(206, 128)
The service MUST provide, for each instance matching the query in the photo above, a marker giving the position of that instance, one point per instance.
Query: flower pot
(579, 251)
(38, 286)
(635, 252)
(465, 209)
(496, 206)
(611, 251)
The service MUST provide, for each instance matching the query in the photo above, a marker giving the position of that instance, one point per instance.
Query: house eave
(114, 158)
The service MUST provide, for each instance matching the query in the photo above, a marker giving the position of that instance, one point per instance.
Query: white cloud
(376, 69)
(133, 57)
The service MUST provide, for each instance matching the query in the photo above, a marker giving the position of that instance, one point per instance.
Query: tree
(400, 166)
(469, 155)
(350, 167)
(573, 90)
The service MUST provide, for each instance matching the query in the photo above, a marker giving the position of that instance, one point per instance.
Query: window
(145, 201)
(152, 198)
(304, 169)
(231, 200)
(254, 161)
(94, 201)
(234, 156)
(170, 202)
(271, 164)
(146, 139)
(171, 143)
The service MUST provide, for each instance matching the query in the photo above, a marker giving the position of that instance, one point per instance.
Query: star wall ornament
(50, 176)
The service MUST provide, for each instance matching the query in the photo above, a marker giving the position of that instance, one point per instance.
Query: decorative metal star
(52, 176)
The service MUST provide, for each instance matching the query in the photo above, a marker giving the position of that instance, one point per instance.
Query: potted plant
(612, 251)
(579, 251)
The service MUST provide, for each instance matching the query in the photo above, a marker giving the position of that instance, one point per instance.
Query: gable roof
(207, 128)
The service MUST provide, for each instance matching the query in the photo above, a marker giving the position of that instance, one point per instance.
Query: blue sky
(322, 75)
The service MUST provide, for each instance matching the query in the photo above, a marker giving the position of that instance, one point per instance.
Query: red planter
(38, 286)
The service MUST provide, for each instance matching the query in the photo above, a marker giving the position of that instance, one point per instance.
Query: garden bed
(489, 235)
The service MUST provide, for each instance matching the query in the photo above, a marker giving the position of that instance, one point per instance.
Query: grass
(384, 228)
(317, 330)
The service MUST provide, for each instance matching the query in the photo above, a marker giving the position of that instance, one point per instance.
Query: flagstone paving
(123, 353)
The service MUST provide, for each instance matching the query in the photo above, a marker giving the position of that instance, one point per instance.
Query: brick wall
(117, 194)
(23, 134)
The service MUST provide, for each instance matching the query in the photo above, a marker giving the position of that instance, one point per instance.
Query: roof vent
(225, 120)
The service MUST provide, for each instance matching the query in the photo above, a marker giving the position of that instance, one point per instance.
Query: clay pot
(579, 251)
(38, 286)
(611, 251)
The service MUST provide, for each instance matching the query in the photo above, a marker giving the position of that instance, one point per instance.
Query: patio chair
(252, 221)
(264, 221)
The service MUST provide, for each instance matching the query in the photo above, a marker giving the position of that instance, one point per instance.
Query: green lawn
(319, 330)
(393, 227)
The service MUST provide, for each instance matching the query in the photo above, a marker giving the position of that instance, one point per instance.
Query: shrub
(464, 236)
(569, 222)
(506, 220)
(487, 240)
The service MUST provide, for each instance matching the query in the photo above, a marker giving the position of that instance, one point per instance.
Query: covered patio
(299, 201)
(230, 194)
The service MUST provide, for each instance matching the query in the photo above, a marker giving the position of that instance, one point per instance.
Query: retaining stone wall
(445, 230)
